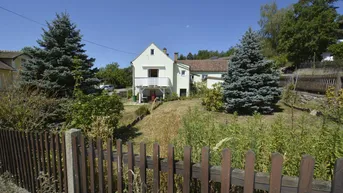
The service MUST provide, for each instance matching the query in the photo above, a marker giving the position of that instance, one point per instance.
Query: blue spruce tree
(251, 84)
(58, 59)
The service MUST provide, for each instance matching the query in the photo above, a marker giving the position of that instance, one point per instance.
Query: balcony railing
(152, 82)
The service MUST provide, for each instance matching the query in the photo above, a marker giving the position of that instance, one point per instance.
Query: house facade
(211, 71)
(156, 75)
(10, 66)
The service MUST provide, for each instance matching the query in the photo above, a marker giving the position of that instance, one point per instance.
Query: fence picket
(156, 162)
(100, 166)
(75, 150)
(249, 172)
(16, 161)
(142, 166)
(10, 153)
(91, 158)
(65, 182)
(42, 150)
(2, 153)
(34, 159)
(83, 165)
(131, 161)
(59, 163)
(27, 163)
(226, 171)
(306, 174)
(119, 165)
(337, 185)
(53, 160)
(109, 159)
(276, 173)
(38, 158)
(205, 170)
(29, 150)
(47, 154)
(171, 169)
(187, 169)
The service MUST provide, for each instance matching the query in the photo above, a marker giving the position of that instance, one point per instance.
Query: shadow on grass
(126, 133)
(278, 109)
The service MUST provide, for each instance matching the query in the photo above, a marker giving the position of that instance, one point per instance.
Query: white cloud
(188, 26)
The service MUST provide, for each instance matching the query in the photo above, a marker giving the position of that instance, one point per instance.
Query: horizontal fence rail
(103, 166)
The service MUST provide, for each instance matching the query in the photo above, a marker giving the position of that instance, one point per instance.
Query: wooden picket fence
(100, 166)
(29, 156)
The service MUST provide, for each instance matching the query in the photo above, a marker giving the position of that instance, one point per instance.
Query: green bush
(198, 89)
(26, 110)
(95, 111)
(142, 110)
(213, 98)
(321, 139)
(129, 93)
(172, 97)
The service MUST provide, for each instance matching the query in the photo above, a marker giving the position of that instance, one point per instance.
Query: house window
(152, 52)
(153, 73)
(183, 92)
(204, 77)
(183, 72)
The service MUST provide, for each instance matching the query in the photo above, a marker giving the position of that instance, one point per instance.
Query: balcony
(152, 82)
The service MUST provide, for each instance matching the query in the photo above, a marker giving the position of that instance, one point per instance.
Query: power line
(39, 23)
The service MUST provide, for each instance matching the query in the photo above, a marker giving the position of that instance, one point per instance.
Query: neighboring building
(10, 66)
(155, 74)
(212, 71)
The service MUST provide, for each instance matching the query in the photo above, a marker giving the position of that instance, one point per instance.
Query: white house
(212, 70)
(155, 74)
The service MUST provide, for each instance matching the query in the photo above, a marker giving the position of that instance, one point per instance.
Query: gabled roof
(206, 65)
(11, 54)
(4, 66)
(147, 48)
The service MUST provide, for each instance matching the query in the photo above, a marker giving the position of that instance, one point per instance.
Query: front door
(153, 73)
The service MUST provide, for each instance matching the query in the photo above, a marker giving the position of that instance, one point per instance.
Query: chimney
(176, 56)
(165, 50)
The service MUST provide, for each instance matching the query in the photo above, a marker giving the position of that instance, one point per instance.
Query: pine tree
(58, 59)
(251, 84)
(190, 56)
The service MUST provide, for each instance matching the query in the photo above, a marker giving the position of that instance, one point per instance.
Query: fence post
(70, 158)
(338, 84)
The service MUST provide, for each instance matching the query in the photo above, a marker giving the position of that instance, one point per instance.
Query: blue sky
(180, 26)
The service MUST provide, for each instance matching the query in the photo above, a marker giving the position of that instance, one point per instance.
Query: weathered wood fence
(94, 169)
(315, 84)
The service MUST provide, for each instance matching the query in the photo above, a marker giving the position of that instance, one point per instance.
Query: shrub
(172, 97)
(26, 110)
(129, 93)
(142, 111)
(88, 111)
(198, 89)
(213, 99)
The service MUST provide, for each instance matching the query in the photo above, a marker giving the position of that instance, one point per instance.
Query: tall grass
(320, 139)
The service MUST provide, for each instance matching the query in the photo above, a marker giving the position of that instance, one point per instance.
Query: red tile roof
(206, 65)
